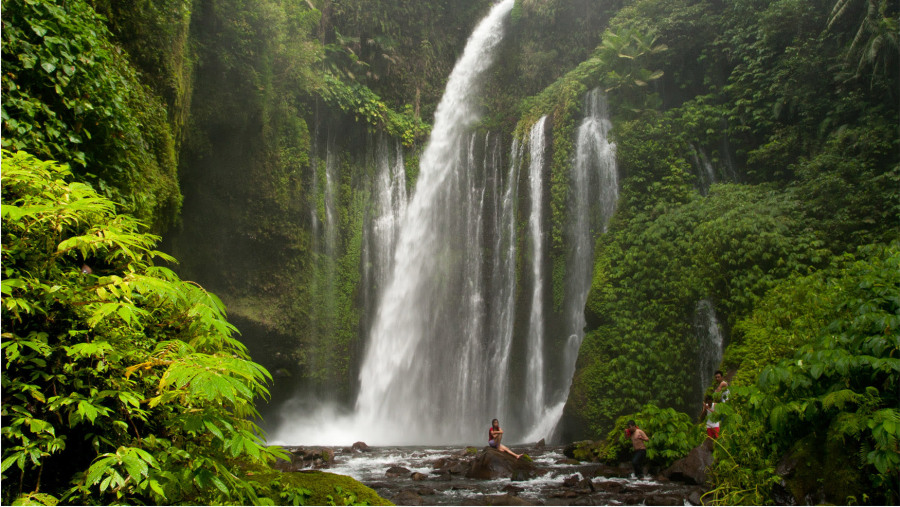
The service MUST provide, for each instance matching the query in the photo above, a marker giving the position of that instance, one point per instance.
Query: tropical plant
(672, 435)
(831, 406)
(120, 380)
(70, 95)
(876, 42)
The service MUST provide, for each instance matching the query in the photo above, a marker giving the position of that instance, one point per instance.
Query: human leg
(507, 450)
(637, 462)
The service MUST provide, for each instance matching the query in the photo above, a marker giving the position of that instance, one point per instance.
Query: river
(436, 476)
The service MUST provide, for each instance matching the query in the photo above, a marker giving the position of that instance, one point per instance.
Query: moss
(321, 486)
(585, 450)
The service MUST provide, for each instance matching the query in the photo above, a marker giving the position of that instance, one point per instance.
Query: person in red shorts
(712, 427)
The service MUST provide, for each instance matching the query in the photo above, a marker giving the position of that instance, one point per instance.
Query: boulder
(360, 447)
(664, 500)
(613, 471)
(586, 485)
(493, 464)
(572, 481)
(396, 471)
(417, 476)
(696, 497)
(691, 469)
(460, 468)
(306, 458)
(496, 500)
(407, 497)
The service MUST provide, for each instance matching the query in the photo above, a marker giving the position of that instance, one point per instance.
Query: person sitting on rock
(495, 434)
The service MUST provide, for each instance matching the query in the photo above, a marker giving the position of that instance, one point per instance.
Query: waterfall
(331, 225)
(710, 343)
(593, 194)
(412, 388)
(534, 380)
(383, 225)
(504, 281)
(705, 172)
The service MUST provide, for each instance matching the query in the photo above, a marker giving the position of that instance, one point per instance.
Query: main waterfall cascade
(446, 351)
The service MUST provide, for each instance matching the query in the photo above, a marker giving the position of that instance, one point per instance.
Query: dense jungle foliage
(124, 383)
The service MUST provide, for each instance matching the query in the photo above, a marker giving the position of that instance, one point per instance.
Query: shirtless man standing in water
(494, 436)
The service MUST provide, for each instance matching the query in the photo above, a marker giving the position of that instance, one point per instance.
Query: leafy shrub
(834, 400)
(120, 380)
(672, 436)
(71, 96)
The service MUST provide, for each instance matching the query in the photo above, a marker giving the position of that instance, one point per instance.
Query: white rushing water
(534, 379)
(504, 282)
(710, 343)
(593, 194)
(429, 371)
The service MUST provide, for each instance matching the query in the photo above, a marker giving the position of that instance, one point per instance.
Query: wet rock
(513, 490)
(696, 497)
(664, 500)
(407, 497)
(306, 458)
(571, 481)
(459, 468)
(396, 471)
(611, 487)
(360, 447)
(497, 500)
(540, 445)
(613, 471)
(691, 469)
(442, 476)
(493, 464)
(586, 485)
(416, 476)
(592, 500)
(521, 475)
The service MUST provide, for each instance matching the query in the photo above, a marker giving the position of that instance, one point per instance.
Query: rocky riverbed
(482, 476)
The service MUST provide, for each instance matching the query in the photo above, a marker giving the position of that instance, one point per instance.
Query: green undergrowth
(315, 488)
